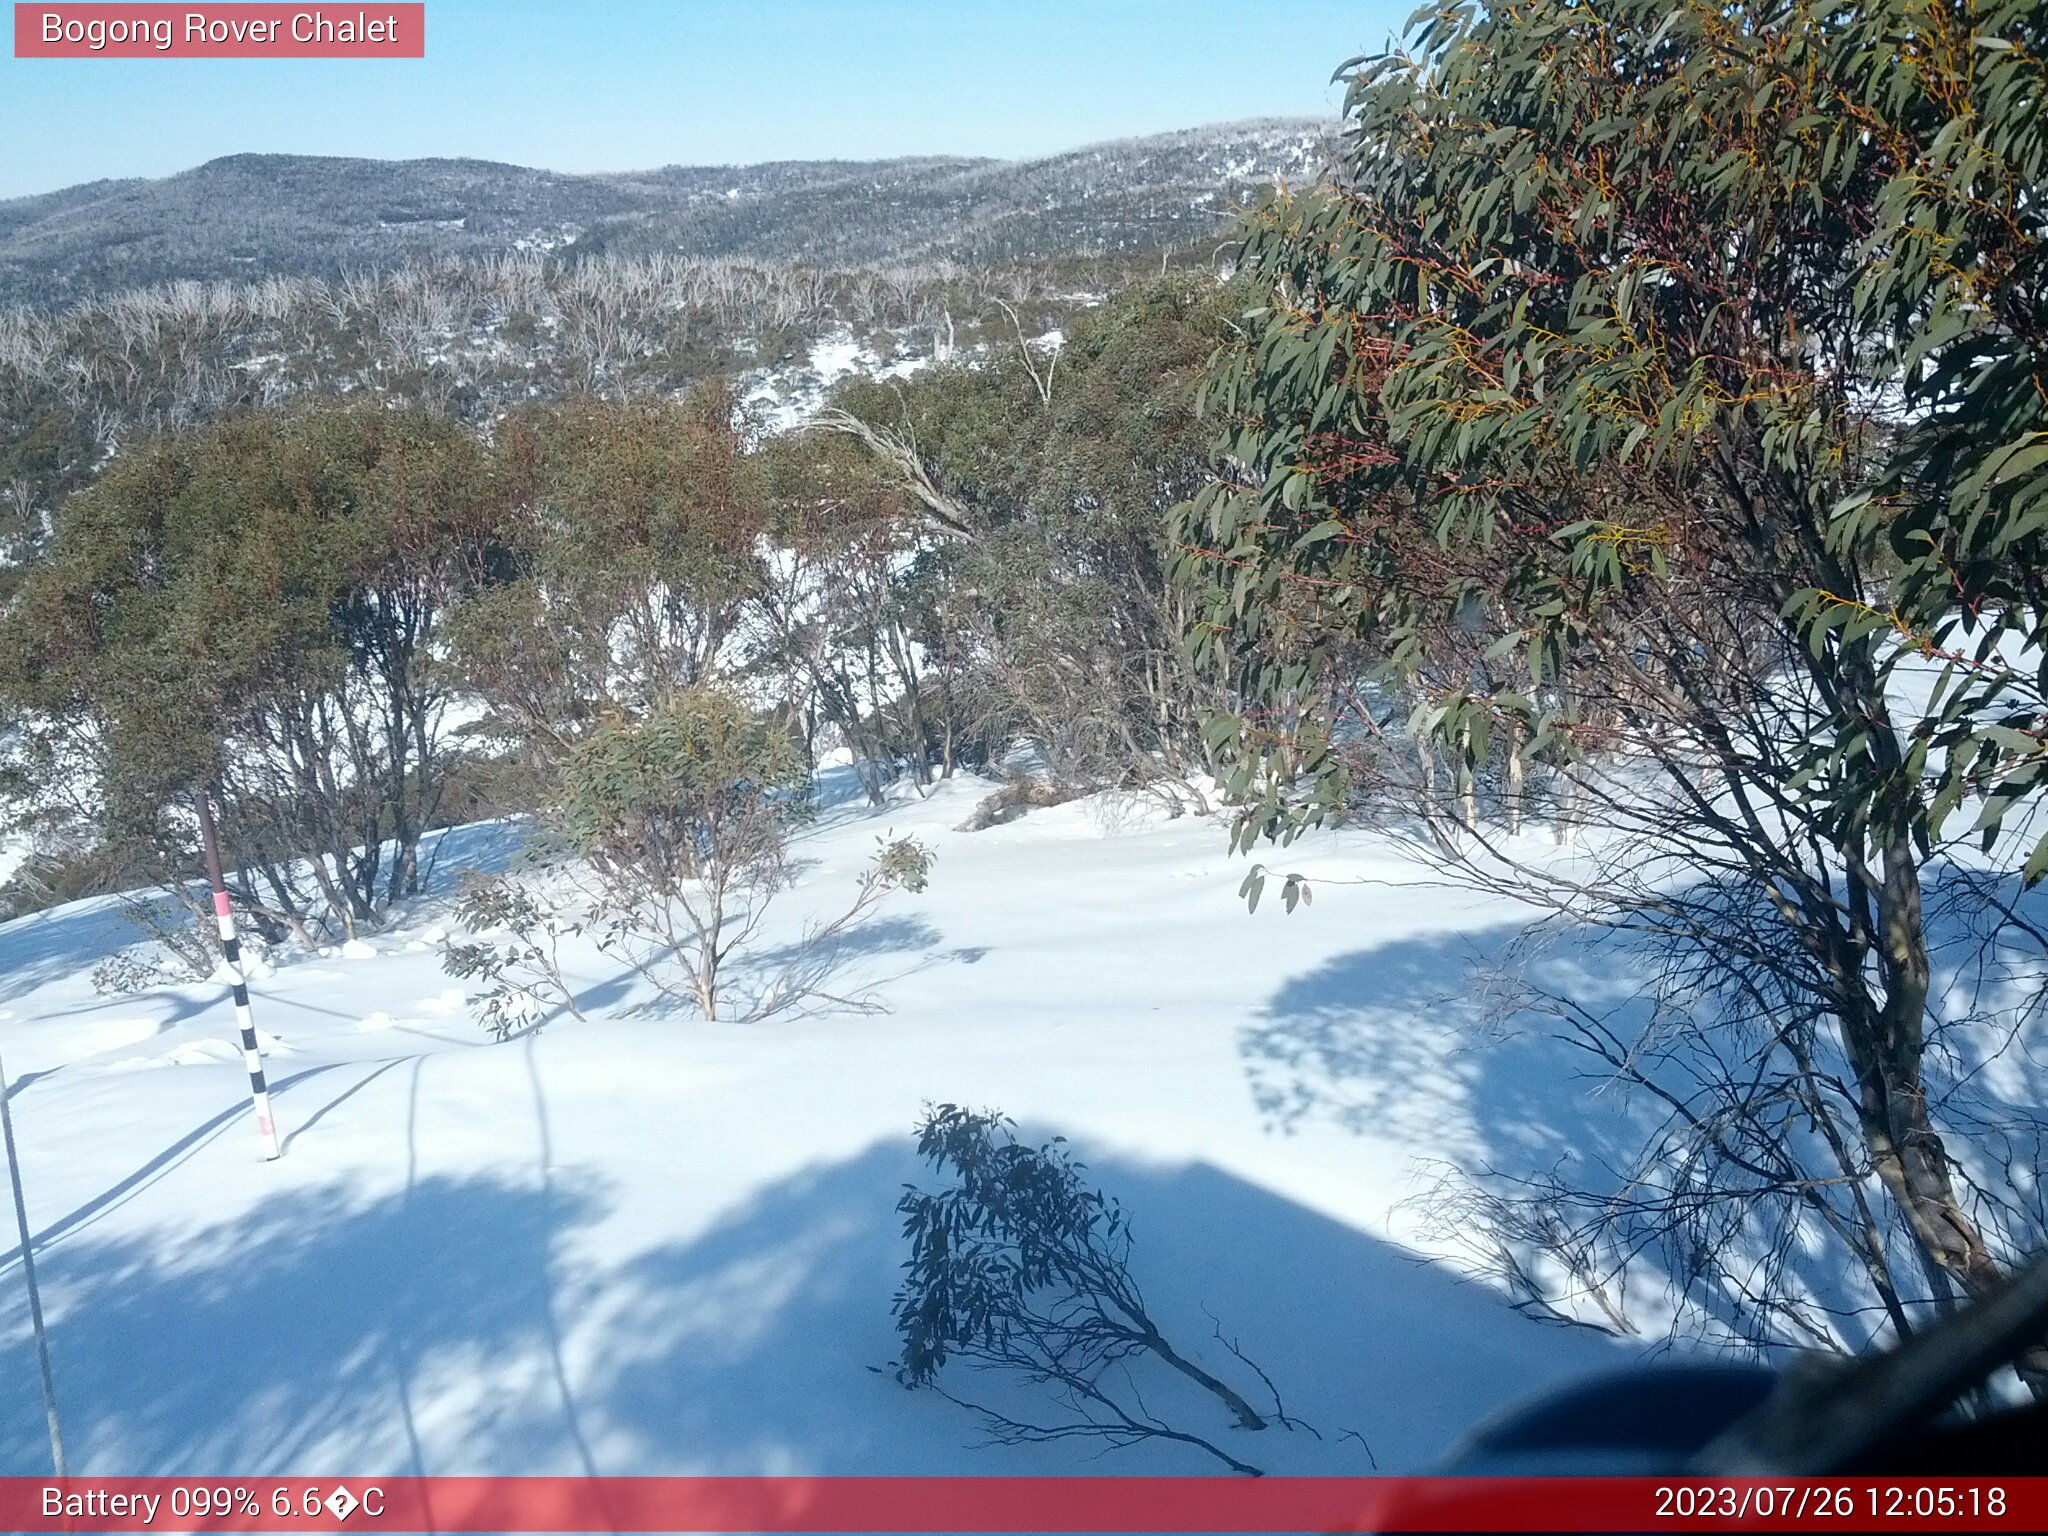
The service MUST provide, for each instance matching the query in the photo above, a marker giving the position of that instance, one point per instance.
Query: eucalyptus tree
(630, 532)
(1635, 347)
(255, 609)
(1044, 496)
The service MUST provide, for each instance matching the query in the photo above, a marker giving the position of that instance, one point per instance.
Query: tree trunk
(1886, 1050)
(1468, 796)
(1514, 771)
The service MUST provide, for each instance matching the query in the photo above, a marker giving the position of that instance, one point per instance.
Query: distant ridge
(251, 214)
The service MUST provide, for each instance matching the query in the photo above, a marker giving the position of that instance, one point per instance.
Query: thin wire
(28, 1269)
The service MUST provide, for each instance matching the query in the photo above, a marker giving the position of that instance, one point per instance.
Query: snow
(648, 1244)
(255, 968)
(785, 398)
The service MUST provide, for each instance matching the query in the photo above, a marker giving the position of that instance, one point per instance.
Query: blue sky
(584, 85)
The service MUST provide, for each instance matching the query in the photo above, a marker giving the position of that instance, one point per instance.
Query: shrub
(669, 840)
(524, 970)
(682, 819)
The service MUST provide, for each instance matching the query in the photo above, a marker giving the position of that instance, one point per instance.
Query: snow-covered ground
(647, 1244)
(786, 397)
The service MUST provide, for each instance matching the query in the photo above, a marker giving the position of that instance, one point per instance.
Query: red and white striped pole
(231, 947)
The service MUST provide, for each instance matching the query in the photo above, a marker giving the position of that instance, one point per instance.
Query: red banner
(1015, 1504)
(266, 31)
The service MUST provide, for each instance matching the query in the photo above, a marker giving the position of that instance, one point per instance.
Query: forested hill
(248, 215)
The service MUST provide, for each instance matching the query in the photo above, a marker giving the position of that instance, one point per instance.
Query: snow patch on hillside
(786, 397)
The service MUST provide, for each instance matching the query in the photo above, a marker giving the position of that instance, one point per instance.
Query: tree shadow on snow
(469, 1325)
(62, 942)
(485, 847)
(1424, 1041)
(69, 940)
(1403, 1041)
(814, 975)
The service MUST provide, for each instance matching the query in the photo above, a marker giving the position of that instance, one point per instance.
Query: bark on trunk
(1885, 1050)
(1514, 777)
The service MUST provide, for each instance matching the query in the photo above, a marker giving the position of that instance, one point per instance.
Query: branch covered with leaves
(1021, 1266)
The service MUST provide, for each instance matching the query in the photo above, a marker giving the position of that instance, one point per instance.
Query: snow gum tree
(840, 617)
(631, 530)
(256, 607)
(1955, 291)
(1041, 595)
(1576, 408)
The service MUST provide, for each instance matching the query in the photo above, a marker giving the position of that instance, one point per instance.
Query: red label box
(372, 30)
(1134, 1505)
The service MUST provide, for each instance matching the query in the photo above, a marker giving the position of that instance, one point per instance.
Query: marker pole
(28, 1271)
(259, 1090)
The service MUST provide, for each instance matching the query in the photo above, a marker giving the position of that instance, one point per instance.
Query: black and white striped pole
(231, 948)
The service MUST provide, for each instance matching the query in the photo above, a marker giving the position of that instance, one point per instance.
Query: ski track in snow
(648, 1244)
